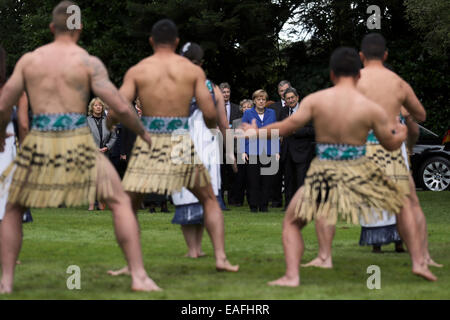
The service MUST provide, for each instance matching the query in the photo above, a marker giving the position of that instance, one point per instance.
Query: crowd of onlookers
(243, 179)
(261, 187)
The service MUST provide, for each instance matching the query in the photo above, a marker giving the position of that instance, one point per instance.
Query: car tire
(434, 174)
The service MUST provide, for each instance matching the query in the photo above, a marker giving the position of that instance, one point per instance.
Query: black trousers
(239, 184)
(227, 176)
(294, 177)
(258, 185)
(276, 196)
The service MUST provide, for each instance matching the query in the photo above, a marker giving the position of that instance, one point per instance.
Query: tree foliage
(241, 39)
(432, 19)
(334, 23)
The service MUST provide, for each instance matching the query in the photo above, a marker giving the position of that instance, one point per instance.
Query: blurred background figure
(18, 128)
(232, 112)
(103, 138)
(297, 150)
(276, 195)
(239, 187)
(256, 153)
(188, 210)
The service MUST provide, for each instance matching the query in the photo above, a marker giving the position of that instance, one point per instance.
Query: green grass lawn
(59, 238)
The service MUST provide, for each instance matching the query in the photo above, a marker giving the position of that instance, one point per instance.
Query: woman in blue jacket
(259, 153)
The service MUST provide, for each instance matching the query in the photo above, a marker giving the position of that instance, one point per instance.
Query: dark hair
(193, 52)
(373, 46)
(345, 62)
(290, 90)
(2, 66)
(164, 32)
(60, 16)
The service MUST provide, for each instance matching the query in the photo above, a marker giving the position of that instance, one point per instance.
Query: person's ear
(358, 76)
(52, 27)
(385, 56)
(362, 57)
(150, 40)
(332, 77)
(177, 42)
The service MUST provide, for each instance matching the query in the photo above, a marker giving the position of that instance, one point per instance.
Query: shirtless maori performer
(390, 91)
(341, 181)
(165, 83)
(58, 162)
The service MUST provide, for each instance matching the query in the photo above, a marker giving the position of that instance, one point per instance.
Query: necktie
(290, 111)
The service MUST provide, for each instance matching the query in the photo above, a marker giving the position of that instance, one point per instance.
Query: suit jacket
(109, 137)
(278, 107)
(128, 138)
(115, 151)
(299, 146)
(255, 147)
(236, 123)
(235, 113)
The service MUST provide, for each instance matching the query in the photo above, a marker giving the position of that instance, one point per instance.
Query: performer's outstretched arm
(412, 104)
(289, 125)
(121, 108)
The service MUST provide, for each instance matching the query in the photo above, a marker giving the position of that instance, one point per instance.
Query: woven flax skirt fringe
(392, 163)
(54, 168)
(347, 188)
(168, 165)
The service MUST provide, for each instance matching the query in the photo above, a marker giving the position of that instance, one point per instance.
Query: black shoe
(399, 247)
(253, 209)
(164, 207)
(376, 249)
(152, 210)
(263, 209)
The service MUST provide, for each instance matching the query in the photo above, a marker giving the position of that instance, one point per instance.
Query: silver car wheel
(436, 176)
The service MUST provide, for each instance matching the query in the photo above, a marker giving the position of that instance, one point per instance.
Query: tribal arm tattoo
(105, 90)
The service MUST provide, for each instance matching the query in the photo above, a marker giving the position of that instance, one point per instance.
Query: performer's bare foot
(124, 270)
(320, 263)
(432, 263)
(145, 284)
(201, 254)
(422, 271)
(285, 282)
(18, 262)
(225, 265)
(5, 289)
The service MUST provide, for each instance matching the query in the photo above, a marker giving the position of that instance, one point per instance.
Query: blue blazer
(253, 146)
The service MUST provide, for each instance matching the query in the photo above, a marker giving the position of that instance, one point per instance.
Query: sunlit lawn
(59, 238)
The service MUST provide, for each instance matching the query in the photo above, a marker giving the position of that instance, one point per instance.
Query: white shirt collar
(295, 109)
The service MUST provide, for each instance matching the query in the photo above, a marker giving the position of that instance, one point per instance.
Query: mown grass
(59, 238)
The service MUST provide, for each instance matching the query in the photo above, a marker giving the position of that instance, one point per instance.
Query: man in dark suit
(231, 109)
(280, 105)
(277, 180)
(297, 150)
(226, 170)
